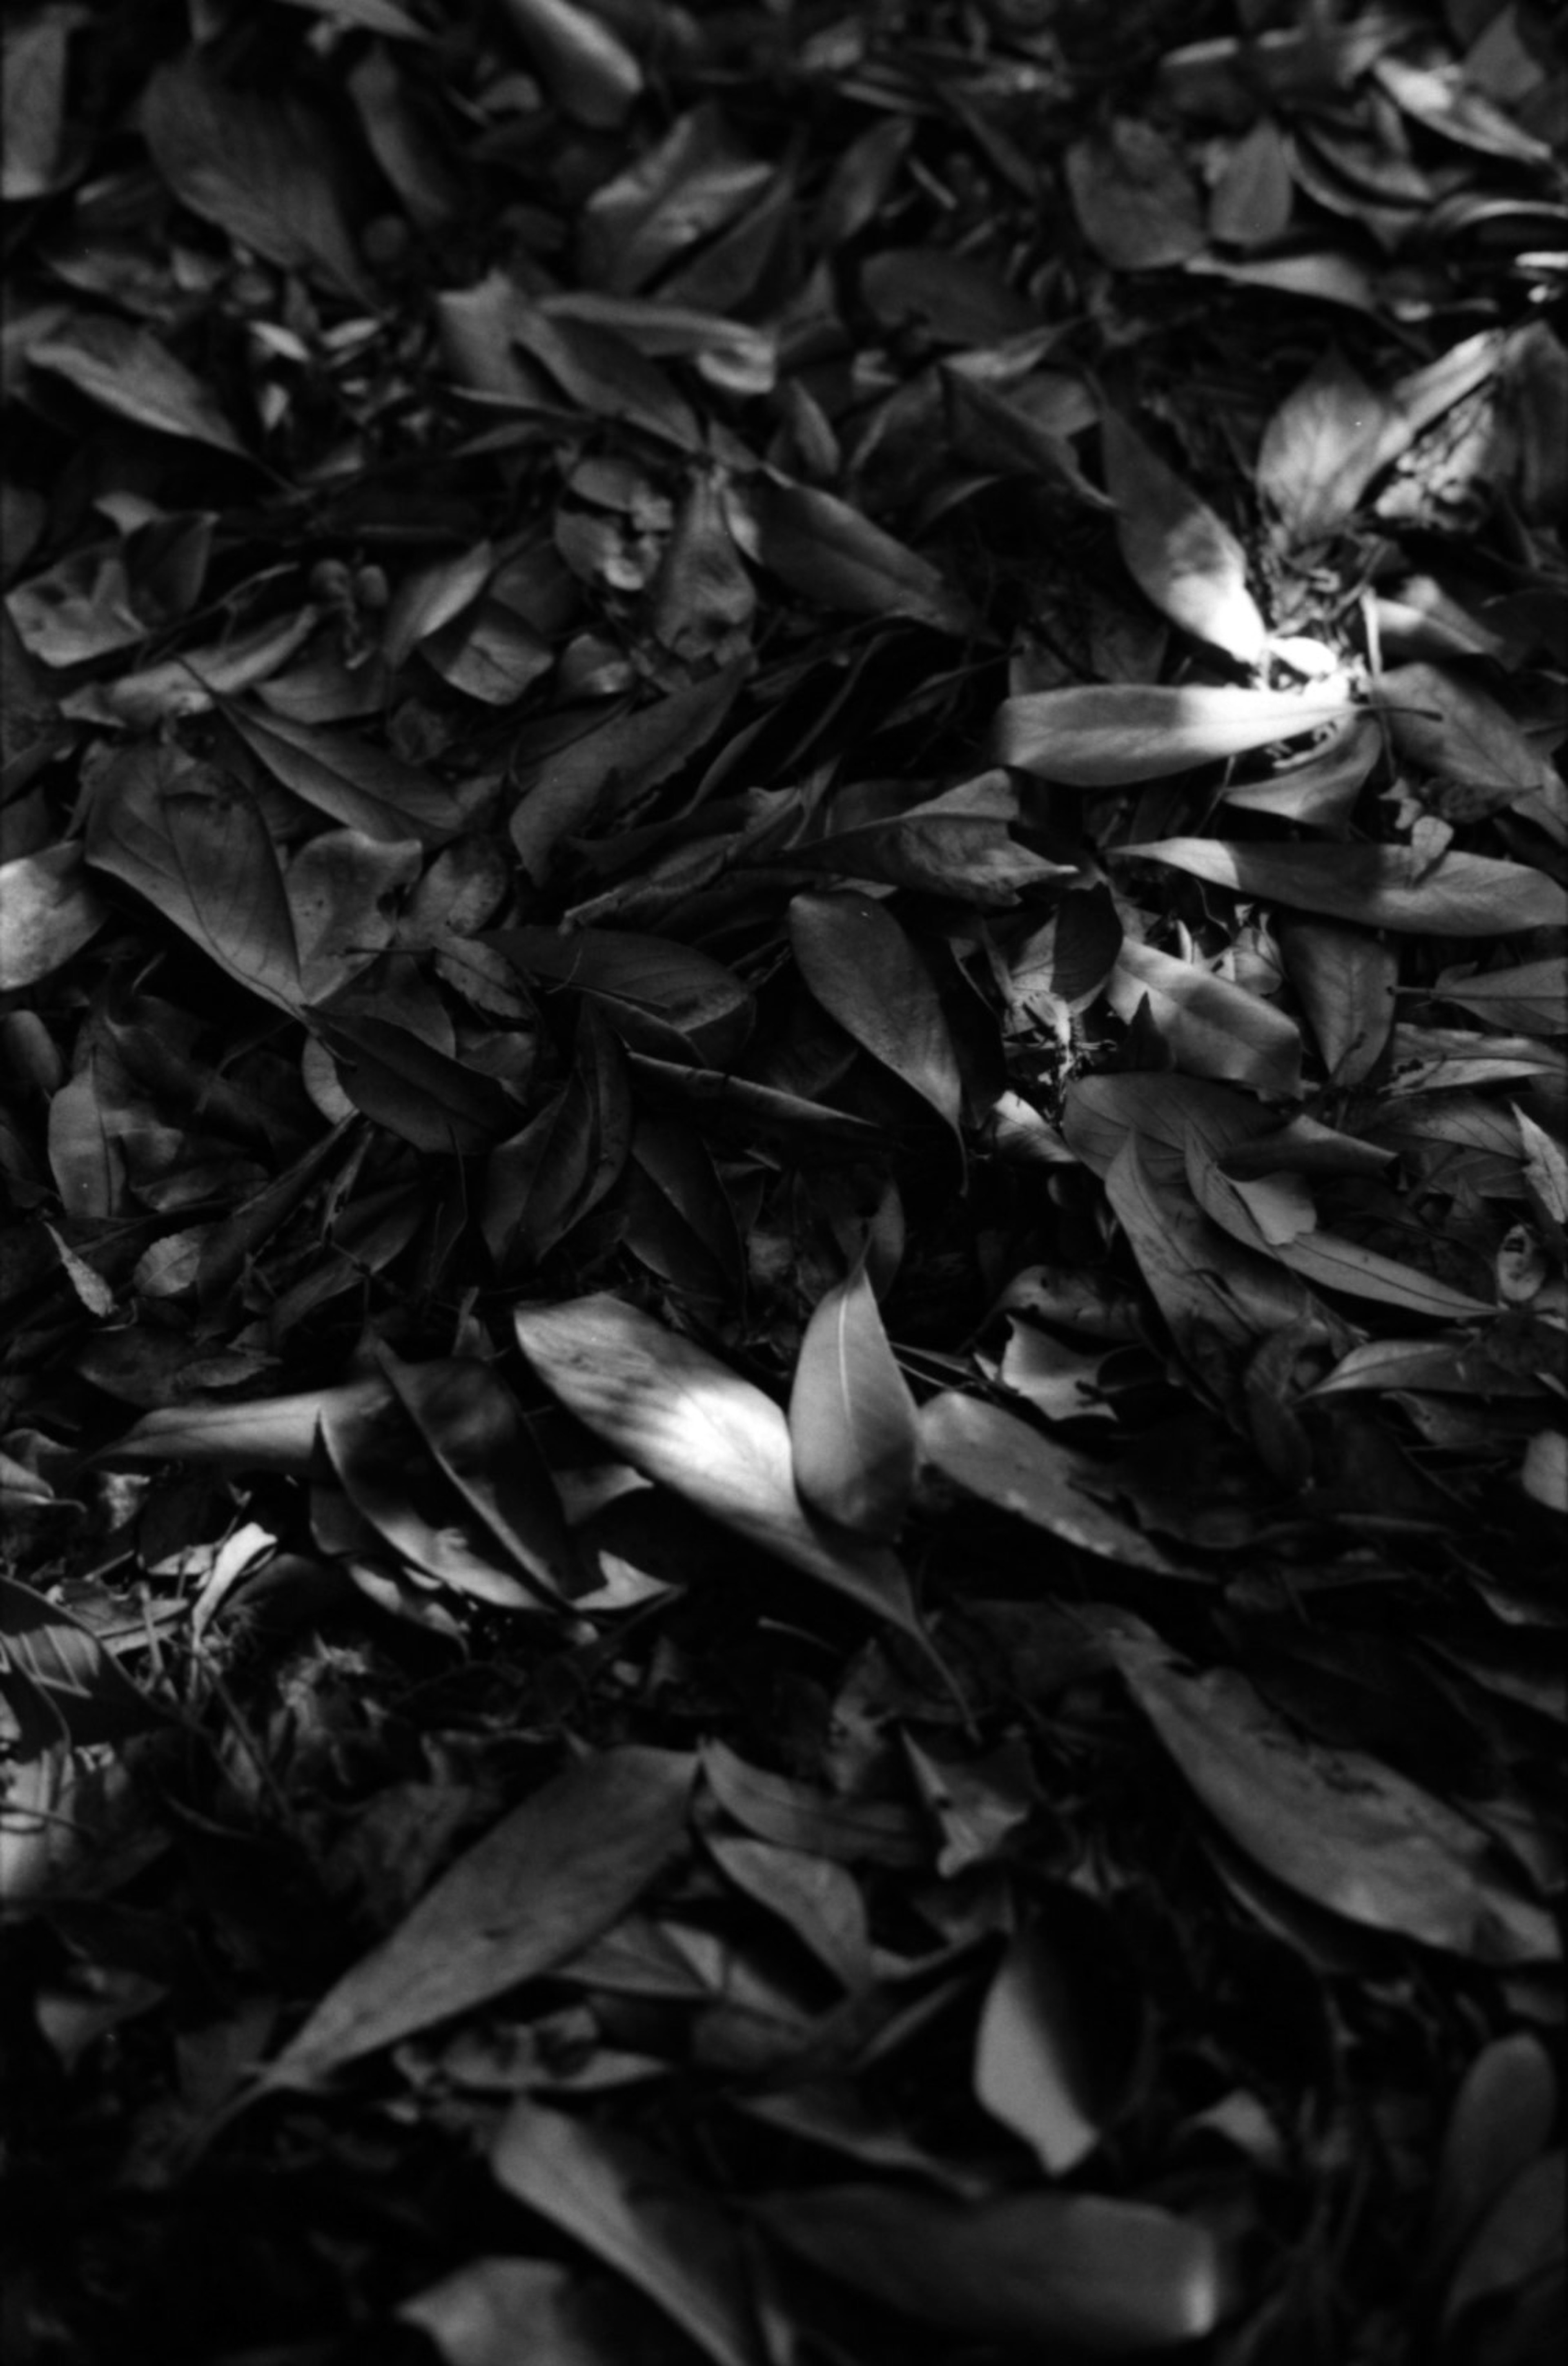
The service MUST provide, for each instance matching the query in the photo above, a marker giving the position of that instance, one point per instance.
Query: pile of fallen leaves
(783, 970)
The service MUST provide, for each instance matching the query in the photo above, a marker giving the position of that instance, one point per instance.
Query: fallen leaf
(1341, 1828)
(1109, 2279)
(853, 1436)
(542, 1883)
(1103, 738)
(630, 2207)
(679, 1415)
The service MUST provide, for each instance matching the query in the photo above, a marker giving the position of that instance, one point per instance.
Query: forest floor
(784, 974)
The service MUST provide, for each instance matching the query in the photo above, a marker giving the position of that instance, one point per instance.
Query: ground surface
(782, 963)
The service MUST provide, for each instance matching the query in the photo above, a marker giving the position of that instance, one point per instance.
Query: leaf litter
(784, 869)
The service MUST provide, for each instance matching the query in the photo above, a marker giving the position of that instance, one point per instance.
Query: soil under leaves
(783, 970)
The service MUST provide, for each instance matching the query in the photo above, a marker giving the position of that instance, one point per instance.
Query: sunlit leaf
(1103, 738)
(681, 1416)
(852, 1419)
(1177, 549)
(1382, 886)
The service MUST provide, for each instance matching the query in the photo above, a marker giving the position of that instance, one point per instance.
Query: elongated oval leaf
(1109, 2279)
(127, 371)
(1041, 2061)
(1213, 1029)
(1335, 1825)
(852, 1426)
(632, 2208)
(541, 1884)
(1100, 738)
(682, 1417)
(469, 1420)
(395, 1483)
(280, 1433)
(1010, 1464)
(194, 844)
(663, 998)
(1177, 549)
(864, 970)
(819, 546)
(1382, 886)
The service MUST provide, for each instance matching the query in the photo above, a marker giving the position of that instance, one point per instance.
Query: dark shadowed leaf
(866, 973)
(631, 2208)
(259, 169)
(128, 371)
(193, 843)
(663, 998)
(1010, 1464)
(1111, 2279)
(549, 1878)
(1344, 1829)
(819, 546)
(852, 1419)
(83, 1680)
(365, 787)
(415, 1091)
(680, 1415)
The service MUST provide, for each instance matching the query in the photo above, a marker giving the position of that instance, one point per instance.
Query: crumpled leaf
(1105, 737)
(678, 1414)
(1108, 2279)
(542, 1883)
(1381, 886)
(631, 2207)
(854, 1435)
(1177, 549)
(1335, 1825)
